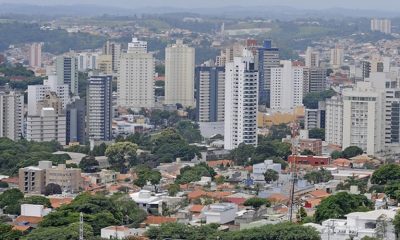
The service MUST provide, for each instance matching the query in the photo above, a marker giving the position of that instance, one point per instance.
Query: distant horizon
(383, 5)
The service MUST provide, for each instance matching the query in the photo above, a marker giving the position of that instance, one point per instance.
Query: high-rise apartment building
(268, 58)
(241, 101)
(337, 57)
(87, 61)
(105, 64)
(381, 25)
(35, 55)
(210, 94)
(76, 122)
(314, 79)
(38, 93)
(334, 121)
(46, 127)
(12, 115)
(115, 51)
(315, 118)
(286, 86)
(363, 118)
(99, 108)
(67, 72)
(311, 58)
(136, 77)
(179, 74)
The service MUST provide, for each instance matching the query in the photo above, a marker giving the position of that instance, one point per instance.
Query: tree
(192, 174)
(173, 189)
(336, 154)
(146, 174)
(385, 174)
(353, 181)
(301, 214)
(40, 200)
(121, 155)
(242, 153)
(322, 175)
(352, 151)
(6, 232)
(340, 204)
(277, 132)
(317, 133)
(257, 202)
(10, 197)
(52, 189)
(311, 100)
(3, 185)
(219, 180)
(189, 131)
(307, 152)
(271, 176)
(396, 223)
(88, 164)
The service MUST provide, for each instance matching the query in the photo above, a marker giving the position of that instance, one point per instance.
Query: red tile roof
(319, 194)
(157, 220)
(31, 220)
(196, 208)
(57, 202)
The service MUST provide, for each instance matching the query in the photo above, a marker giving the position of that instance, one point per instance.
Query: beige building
(46, 127)
(33, 179)
(105, 64)
(136, 77)
(179, 74)
(11, 115)
(69, 179)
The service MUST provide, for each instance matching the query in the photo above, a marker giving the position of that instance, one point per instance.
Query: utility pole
(293, 168)
(81, 226)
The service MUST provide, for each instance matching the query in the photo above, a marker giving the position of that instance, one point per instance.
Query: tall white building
(87, 60)
(334, 121)
(311, 58)
(136, 77)
(337, 57)
(179, 74)
(241, 101)
(37, 93)
(67, 72)
(286, 86)
(381, 25)
(35, 55)
(12, 115)
(46, 126)
(363, 118)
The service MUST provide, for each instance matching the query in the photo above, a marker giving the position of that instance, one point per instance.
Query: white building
(286, 87)
(334, 121)
(34, 210)
(67, 72)
(12, 115)
(221, 213)
(241, 102)
(37, 93)
(87, 61)
(363, 118)
(260, 168)
(337, 57)
(46, 127)
(121, 232)
(377, 223)
(35, 55)
(381, 25)
(311, 58)
(179, 74)
(148, 200)
(136, 77)
(115, 51)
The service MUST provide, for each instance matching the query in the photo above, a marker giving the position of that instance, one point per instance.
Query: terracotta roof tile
(57, 202)
(319, 193)
(157, 220)
(31, 220)
(21, 228)
(196, 208)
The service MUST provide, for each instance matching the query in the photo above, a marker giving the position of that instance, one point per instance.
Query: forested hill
(55, 41)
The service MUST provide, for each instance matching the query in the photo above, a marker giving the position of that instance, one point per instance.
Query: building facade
(334, 121)
(179, 74)
(286, 86)
(12, 115)
(67, 72)
(314, 79)
(381, 25)
(241, 102)
(210, 94)
(136, 77)
(69, 179)
(35, 55)
(268, 58)
(115, 51)
(76, 122)
(99, 108)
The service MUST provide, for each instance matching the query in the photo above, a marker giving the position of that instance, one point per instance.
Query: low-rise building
(148, 201)
(69, 179)
(221, 213)
(309, 160)
(121, 232)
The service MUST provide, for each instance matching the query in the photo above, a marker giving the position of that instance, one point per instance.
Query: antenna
(293, 168)
(81, 226)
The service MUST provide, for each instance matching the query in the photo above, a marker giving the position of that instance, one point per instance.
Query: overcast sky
(390, 5)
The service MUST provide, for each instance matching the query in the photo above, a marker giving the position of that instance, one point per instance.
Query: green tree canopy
(322, 175)
(193, 174)
(317, 133)
(386, 173)
(189, 131)
(352, 151)
(340, 204)
(311, 99)
(52, 188)
(88, 164)
(121, 155)
(271, 176)
(257, 202)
